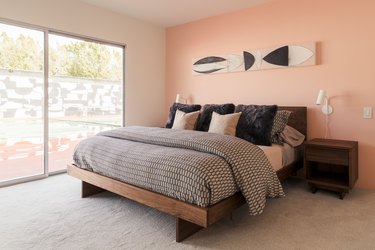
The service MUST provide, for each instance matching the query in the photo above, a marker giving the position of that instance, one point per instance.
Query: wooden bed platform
(189, 218)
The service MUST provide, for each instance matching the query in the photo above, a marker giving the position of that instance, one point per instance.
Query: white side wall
(145, 52)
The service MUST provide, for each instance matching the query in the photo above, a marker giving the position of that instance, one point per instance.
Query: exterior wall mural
(21, 94)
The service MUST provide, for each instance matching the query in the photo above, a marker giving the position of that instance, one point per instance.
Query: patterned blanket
(196, 167)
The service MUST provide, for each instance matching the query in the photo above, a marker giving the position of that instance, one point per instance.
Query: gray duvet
(196, 167)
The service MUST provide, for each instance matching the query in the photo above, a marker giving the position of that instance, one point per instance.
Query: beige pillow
(184, 120)
(292, 136)
(224, 124)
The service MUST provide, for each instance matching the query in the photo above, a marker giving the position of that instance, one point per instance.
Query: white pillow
(224, 124)
(184, 120)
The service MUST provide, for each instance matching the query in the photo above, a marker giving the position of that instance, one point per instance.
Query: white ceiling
(168, 13)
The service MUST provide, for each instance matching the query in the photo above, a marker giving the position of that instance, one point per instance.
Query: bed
(189, 217)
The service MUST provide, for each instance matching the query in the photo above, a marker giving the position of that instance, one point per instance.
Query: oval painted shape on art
(249, 60)
(210, 59)
(234, 62)
(299, 54)
(210, 64)
(208, 68)
(278, 56)
(207, 71)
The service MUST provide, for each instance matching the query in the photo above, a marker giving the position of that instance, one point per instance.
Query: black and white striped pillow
(279, 123)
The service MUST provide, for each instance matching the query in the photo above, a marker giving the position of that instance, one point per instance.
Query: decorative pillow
(206, 114)
(183, 107)
(279, 123)
(224, 124)
(292, 136)
(184, 120)
(255, 123)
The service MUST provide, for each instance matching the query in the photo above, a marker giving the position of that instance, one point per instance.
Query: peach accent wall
(145, 52)
(346, 51)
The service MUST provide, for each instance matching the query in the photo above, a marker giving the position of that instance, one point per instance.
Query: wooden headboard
(298, 118)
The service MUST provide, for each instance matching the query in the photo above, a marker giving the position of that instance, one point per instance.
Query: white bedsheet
(281, 155)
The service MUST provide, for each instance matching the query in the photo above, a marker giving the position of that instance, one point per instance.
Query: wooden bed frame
(189, 218)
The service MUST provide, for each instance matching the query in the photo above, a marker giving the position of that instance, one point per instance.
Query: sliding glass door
(85, 94)
(43, 115)
(21, 102)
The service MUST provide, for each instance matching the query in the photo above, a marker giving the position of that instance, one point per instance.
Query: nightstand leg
(342, 195)
(313, 188)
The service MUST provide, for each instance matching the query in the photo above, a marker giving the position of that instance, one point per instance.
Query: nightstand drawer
(327, 155)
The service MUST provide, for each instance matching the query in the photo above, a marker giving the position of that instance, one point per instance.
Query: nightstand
(331, 164)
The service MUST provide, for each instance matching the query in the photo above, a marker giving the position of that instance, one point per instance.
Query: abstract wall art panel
(248, 60)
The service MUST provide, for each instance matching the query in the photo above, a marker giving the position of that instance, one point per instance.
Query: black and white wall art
(249, 60)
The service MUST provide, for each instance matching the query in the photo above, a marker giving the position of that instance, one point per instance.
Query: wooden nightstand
(331, 164)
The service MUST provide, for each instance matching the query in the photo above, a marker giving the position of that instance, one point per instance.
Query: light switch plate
(367, 112)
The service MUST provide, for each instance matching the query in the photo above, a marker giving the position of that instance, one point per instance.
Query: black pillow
(206, 114)
(255, 123)
(183, 107)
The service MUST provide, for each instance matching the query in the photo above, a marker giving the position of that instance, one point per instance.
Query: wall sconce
(180, 99)
(322, 97)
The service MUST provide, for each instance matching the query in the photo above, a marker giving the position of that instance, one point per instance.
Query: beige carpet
(49, 214)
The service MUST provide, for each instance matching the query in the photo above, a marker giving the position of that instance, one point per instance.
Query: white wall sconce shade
(177, 98)
(181, 99)
(323, 98)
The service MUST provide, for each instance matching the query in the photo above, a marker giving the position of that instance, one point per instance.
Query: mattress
(282, 155)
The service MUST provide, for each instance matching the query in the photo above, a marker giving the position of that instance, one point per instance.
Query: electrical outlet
(367, 112)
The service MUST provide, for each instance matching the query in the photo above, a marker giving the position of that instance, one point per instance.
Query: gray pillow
(256, 123)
